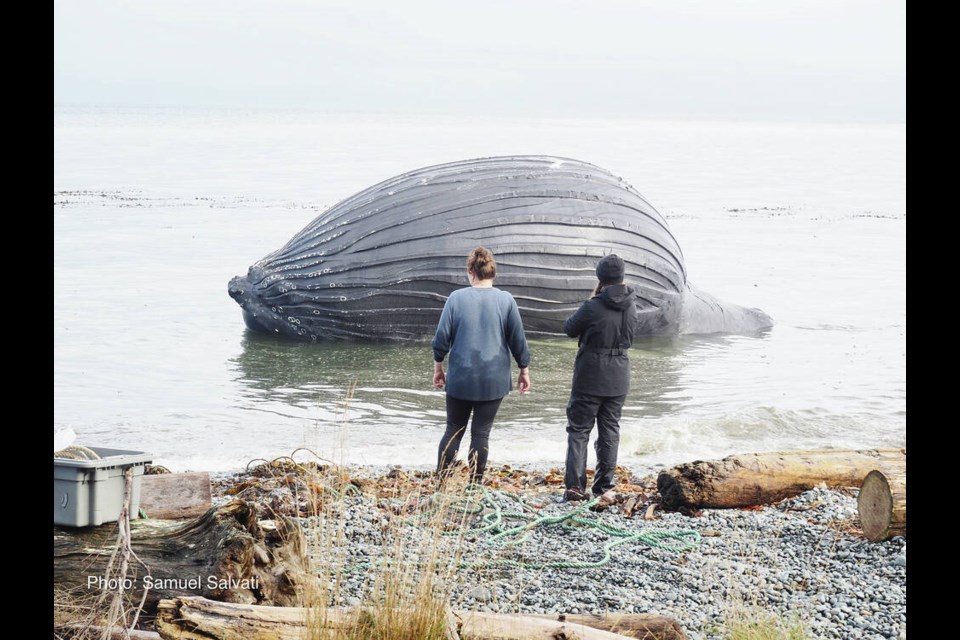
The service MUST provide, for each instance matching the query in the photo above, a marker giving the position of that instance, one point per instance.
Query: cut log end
(670, 489)
(882, 505)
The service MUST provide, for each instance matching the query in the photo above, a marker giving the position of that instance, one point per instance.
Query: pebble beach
(518, 547)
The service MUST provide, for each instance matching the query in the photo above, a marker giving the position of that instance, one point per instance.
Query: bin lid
(108, 458)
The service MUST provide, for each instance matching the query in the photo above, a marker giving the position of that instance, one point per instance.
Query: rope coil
(76, 452)
(479, 500)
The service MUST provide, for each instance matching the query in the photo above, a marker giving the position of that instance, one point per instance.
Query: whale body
(380, 264)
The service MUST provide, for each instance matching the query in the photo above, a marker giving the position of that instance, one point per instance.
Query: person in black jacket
(605, 326)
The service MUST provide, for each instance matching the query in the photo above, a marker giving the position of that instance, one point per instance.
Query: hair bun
(482, 256)
(481, 263)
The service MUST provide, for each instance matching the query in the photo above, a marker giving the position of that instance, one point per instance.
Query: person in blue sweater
(480, 329)
(604, 326)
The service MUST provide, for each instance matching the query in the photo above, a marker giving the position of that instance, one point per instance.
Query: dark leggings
(458, 412)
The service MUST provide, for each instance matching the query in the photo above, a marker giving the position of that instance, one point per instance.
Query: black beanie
(610, 269)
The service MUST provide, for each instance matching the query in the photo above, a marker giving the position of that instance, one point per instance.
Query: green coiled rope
(480, 500)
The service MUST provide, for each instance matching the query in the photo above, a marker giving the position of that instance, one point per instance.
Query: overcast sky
(801, 60)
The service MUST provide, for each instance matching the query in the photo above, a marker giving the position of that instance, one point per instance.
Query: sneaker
(574, 495)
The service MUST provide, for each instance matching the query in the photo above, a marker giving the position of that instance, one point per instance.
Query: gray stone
(480, 594)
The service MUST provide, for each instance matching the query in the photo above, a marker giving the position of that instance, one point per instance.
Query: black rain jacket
(605, 325)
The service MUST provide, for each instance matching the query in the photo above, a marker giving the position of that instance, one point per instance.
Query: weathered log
(227, 554)
(502, 626)
(763, 478)
(642, 626)
(882, 505)
(79, 630)
(192, 618)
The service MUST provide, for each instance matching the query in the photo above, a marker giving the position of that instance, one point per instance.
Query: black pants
(458, 412)
(582, 411)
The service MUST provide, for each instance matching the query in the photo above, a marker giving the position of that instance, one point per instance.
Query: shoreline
(379, 471)
(800, 558)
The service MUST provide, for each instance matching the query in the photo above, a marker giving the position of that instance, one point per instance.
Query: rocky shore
(523, 549)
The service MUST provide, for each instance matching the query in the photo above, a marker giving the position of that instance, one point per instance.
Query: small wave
(678, 438)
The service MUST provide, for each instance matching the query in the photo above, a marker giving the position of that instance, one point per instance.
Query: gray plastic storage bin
(90, 492)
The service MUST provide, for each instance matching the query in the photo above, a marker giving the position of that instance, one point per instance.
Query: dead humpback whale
(380, 264)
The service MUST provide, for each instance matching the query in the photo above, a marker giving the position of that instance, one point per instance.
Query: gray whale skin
(380, 264)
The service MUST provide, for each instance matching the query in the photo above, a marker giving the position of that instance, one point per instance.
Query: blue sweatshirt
(480, 328)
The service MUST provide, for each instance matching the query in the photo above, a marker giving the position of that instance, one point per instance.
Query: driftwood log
(192, 618)
(116, 633)
(763, 478)
(642, 626)
(227, 554)
(882, 505)
(501, 626)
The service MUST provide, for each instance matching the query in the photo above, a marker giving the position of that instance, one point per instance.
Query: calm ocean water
(156, 209)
